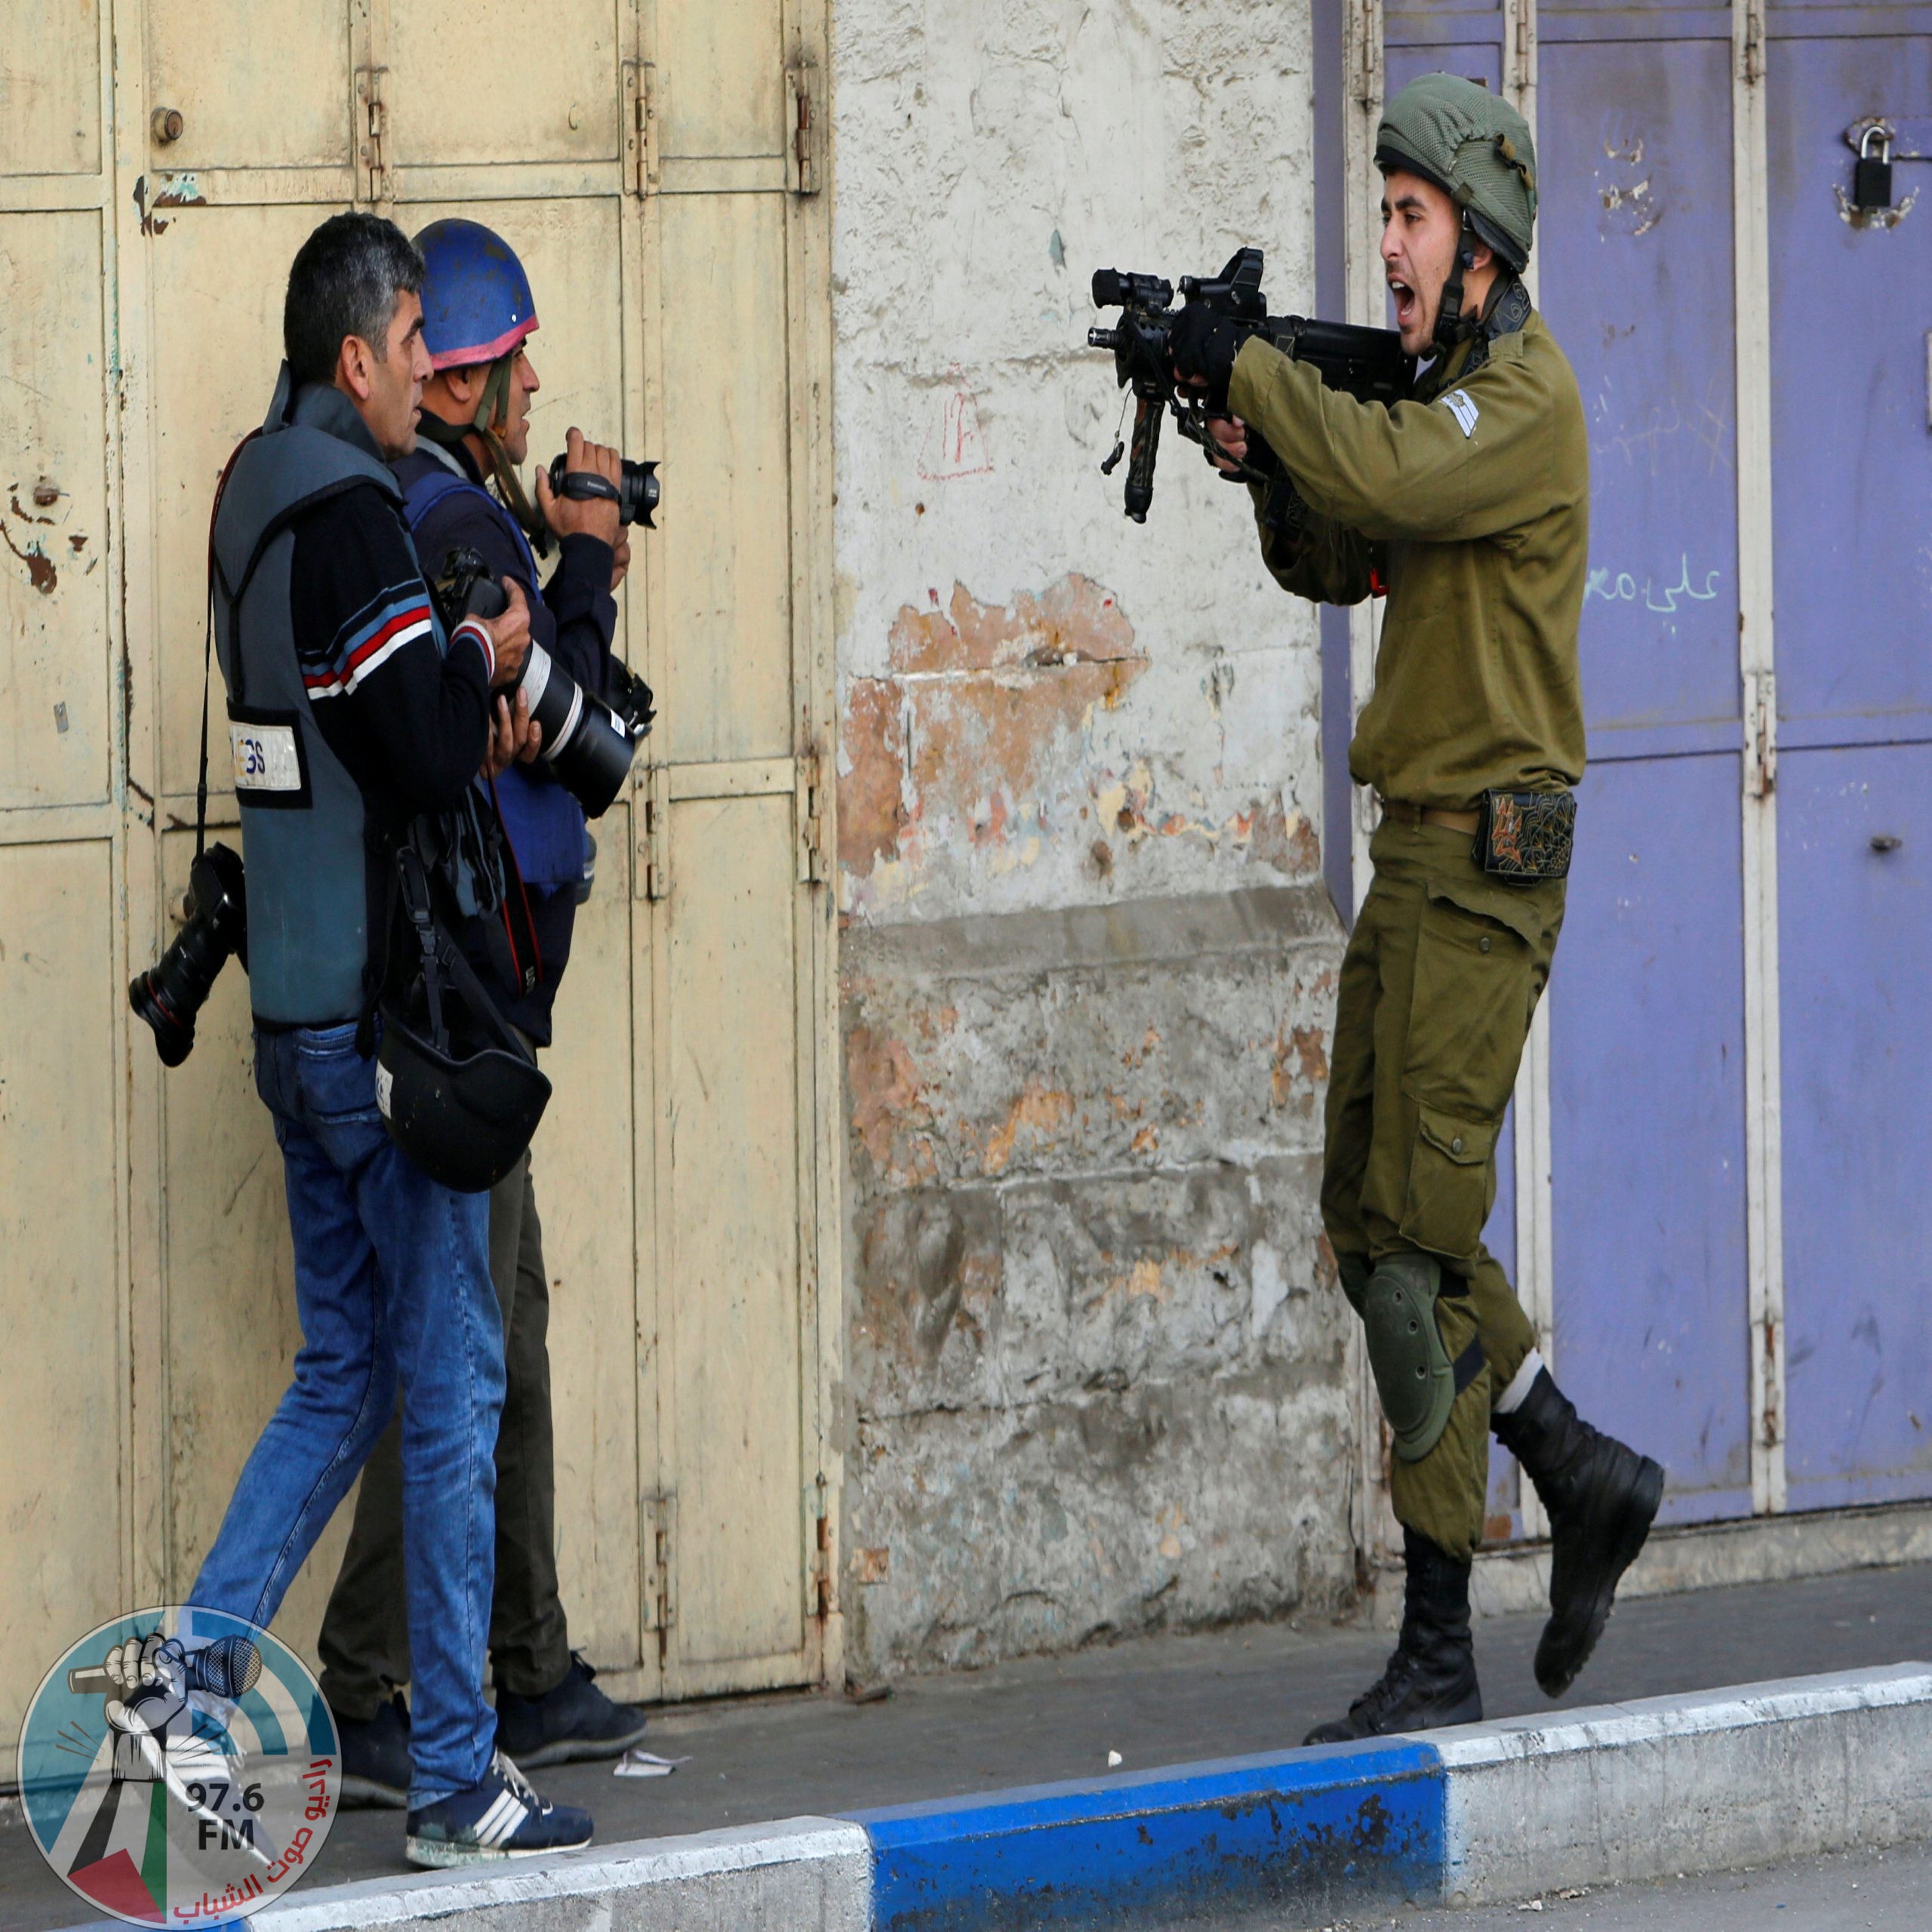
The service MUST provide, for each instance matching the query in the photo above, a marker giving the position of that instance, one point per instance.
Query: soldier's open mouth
(1405, 302)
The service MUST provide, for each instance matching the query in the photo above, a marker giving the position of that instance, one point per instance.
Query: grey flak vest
(303, 828)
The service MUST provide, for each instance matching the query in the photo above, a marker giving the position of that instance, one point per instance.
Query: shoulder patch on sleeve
(1459, 405)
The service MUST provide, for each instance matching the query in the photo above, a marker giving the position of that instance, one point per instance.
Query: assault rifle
(1369, 364)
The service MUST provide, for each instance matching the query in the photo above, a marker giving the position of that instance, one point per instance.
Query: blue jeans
(391, 1281)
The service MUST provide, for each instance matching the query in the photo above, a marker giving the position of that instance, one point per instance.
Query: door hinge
(1754, 43)
(811, 822)
(1519, 76)
(818, 1584)
(640, 126)
(804, 148)
(372, 176)
(660, 1527)
(653, 872)
(1771, 1423)
(1368, 37)
(1761, 733)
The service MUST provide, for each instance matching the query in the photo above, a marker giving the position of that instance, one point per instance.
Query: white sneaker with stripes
(501, 1817)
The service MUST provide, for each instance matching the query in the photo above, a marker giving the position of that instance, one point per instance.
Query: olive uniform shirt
(1472, 503)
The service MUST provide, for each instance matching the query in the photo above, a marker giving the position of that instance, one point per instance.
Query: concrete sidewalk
(1160, 1702)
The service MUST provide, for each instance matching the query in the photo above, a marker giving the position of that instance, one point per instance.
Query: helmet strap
(1452, 327)
(492, 406)
(495, 400)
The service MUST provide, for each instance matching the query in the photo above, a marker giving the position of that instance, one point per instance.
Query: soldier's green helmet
(1476, 147)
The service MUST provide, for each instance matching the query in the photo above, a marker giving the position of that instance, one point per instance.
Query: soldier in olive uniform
(1471, 504)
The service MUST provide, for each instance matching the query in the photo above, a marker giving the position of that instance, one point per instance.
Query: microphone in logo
(229, 1668)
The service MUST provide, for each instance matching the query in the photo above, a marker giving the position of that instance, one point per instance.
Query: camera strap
(586, 486)
(441, 964)
(208, 667)
(525, 959)
(412, 889)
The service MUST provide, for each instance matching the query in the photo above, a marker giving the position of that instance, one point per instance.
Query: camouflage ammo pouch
(1523, 838)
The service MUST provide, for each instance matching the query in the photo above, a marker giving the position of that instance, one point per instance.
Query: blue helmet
(477, 305)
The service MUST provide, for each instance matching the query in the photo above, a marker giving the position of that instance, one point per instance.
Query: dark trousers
(364, 1642)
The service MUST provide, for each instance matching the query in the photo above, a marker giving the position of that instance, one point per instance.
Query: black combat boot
(1601, 1497)
(1430, 1678)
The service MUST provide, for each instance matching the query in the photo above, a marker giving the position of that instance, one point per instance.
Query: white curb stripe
(800, 1874)
(1709, 1782)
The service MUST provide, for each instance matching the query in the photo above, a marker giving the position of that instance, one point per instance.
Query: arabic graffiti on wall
(1621, 587)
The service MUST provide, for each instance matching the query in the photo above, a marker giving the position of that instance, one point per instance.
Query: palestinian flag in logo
(113, 1848)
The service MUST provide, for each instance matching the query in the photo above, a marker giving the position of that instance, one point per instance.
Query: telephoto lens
(588, 745)
(170, 994)
(635, 493)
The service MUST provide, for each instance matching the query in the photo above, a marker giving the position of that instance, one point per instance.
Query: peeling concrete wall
(1096, 1345)
(1096, 1375)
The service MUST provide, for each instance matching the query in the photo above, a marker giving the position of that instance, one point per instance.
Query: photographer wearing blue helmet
(462, 496)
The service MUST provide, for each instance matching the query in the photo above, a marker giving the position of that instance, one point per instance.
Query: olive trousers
(1438, 985)
(364, 1640)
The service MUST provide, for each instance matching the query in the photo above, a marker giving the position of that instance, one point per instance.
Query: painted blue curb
(1355, 1823)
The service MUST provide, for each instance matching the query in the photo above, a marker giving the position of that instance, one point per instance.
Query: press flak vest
(302, 825)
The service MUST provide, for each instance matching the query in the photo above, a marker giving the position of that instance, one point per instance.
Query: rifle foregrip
(1139, 492)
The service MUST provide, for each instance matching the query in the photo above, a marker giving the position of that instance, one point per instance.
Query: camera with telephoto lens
(635, 493)
(587, 743)
(170, 994)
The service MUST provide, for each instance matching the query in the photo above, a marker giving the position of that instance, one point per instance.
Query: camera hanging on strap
(170, 994)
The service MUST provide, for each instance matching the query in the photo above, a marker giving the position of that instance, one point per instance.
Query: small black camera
(635, 493)
(170, 994)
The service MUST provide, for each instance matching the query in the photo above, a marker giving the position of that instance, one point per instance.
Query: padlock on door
(1871, 174)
